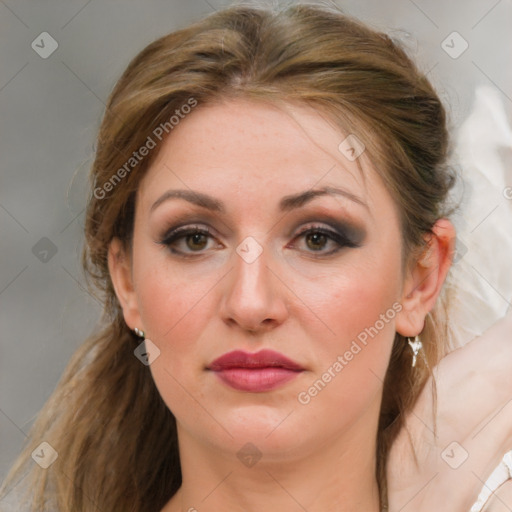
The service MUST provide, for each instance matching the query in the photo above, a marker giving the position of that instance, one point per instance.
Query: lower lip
(256, 379)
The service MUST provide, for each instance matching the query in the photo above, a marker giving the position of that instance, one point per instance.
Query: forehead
(262, 151)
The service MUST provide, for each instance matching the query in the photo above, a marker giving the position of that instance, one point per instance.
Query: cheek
(351, 299)
(172, 298)
(351, 369)
(175, 310)
(358, 309)
(176, 305)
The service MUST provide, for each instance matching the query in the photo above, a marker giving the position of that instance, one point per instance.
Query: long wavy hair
(116, 439)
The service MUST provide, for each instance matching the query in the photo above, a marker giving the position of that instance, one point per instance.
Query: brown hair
(115, 437)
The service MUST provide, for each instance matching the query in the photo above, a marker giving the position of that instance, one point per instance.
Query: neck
(336, 477)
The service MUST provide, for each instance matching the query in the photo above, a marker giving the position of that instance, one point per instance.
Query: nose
(254, 298)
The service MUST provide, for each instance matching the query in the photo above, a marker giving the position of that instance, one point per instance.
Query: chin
(271, 429)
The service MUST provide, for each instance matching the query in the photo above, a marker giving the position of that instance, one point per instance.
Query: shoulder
(501, 500)
(497, 492)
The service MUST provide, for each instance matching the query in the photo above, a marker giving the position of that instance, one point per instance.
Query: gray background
(50, 111)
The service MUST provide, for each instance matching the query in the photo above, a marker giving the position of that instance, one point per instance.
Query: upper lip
(261, 359)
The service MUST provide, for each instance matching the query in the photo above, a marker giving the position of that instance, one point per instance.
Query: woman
(268, 224)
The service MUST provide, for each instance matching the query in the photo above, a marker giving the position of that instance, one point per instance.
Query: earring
(138, 332)
(416, 345)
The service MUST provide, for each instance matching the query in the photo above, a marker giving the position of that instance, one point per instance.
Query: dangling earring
(416, 345)
(139, 333)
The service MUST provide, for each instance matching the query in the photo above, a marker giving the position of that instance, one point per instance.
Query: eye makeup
(341, 234)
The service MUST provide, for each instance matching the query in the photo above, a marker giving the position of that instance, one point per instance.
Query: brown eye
(197, 241)
(187, 240)
(316, 240)
(323, 241)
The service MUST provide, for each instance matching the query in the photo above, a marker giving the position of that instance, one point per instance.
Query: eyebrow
(287, 203)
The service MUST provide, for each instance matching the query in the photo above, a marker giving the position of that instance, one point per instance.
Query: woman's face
(313, 276)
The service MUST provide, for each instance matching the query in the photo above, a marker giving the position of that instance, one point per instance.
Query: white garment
(482, 275)
(500, 475)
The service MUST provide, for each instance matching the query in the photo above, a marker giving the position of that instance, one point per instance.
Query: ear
(119, 265)
(425, 279)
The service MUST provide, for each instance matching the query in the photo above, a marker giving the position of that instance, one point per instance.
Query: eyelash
(182, 232)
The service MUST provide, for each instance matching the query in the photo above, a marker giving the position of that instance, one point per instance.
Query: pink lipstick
(262, 371)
